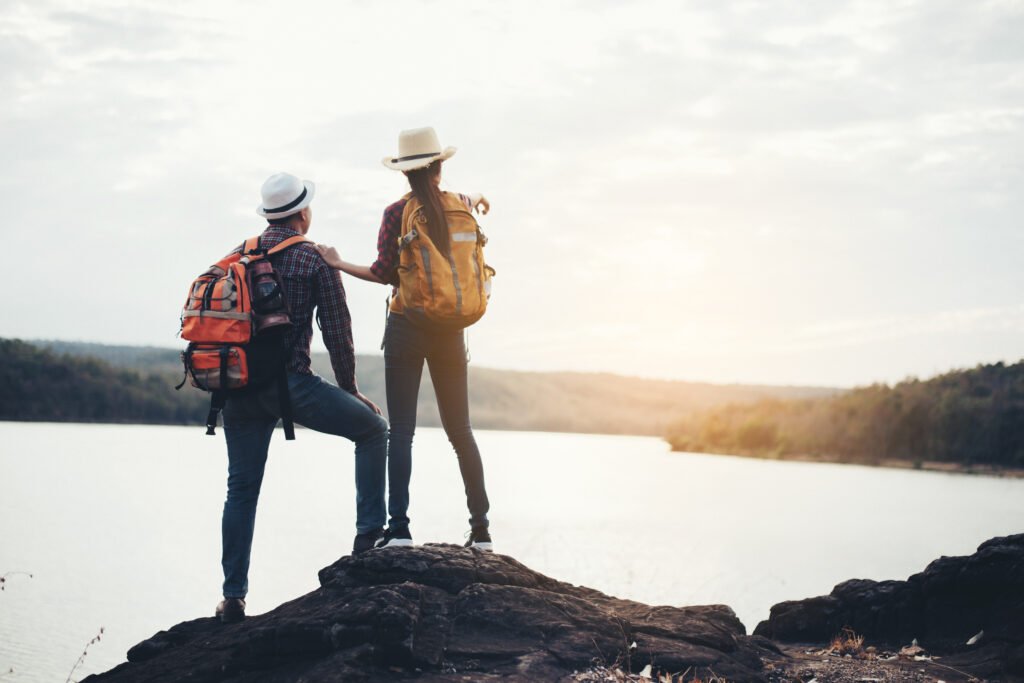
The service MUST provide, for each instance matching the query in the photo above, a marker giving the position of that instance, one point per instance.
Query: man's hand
(369, 404)
(330, 256)
(480, 203)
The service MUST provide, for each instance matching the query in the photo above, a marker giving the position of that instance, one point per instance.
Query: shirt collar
(282, 231)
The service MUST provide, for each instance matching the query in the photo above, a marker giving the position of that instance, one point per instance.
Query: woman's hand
(330, 256)
(480, 203)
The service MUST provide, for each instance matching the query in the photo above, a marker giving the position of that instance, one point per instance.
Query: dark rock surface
(943, 607)
(444, 613)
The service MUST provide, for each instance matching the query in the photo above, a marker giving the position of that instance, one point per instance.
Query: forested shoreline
(967, 417)
(83, 382)
(38, 384)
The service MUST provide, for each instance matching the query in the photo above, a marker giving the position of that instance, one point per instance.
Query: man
(249, 420)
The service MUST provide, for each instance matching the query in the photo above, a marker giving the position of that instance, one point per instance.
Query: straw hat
(417, 148)
(284, 194)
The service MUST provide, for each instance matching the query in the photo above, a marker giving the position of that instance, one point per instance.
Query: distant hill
(500, 399)
(967, 417)
(40, 384)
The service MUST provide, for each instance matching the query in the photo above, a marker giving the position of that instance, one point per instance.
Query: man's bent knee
(377, 428)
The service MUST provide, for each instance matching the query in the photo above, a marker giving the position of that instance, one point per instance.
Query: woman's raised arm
(333, 259)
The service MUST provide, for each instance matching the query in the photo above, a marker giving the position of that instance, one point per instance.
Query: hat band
(289, 205)
(415, 156)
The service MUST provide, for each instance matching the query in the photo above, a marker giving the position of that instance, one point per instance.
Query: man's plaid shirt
(309, 284)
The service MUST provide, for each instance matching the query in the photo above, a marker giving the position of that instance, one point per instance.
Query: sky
(758, 192)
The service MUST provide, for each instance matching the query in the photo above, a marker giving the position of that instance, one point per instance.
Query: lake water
(120, 525)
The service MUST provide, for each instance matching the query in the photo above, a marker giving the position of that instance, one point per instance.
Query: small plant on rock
(847, 642)
(85, 652)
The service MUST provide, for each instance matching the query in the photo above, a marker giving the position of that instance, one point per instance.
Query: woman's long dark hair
(423, 182)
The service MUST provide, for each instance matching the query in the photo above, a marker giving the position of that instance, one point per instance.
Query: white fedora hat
(284, 194)
(417, 148)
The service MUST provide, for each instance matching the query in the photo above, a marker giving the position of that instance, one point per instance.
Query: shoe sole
(229, 616)
(398, 543)
(485, 547)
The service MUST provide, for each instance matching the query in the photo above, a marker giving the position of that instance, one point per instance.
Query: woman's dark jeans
(405, 348)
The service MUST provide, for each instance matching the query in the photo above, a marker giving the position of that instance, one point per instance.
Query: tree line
(42, 385)
(968, 417)
(77, 381)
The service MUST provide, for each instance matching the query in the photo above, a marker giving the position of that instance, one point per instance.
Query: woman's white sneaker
(480, 538)
(395, 538)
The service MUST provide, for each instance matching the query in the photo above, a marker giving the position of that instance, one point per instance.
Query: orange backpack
(438, 292)
(236, 319)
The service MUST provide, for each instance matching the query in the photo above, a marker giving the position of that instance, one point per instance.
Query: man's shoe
(395, 538)
(480, 538)
(230, 610)
(366, 541)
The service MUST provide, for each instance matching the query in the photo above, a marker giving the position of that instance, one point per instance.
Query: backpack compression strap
(217, 402)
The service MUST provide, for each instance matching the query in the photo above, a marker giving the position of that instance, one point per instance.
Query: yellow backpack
(434, 291)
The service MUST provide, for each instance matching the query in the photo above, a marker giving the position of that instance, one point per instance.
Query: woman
(408, 342)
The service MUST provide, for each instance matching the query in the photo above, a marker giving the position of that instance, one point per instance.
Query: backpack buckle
(404, 241)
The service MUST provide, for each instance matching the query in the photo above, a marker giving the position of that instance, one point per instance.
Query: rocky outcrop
(444, 613)
(949, 603)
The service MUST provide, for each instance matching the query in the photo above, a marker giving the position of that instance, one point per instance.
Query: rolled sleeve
(386, 265)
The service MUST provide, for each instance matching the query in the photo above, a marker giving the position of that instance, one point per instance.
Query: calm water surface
(120, 525)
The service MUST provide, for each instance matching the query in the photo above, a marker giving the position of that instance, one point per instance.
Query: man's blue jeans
(249, 422)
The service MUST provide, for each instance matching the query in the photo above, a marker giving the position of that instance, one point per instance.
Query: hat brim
(310, 191)
(413, 164)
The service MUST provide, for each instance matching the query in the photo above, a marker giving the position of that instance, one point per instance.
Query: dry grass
(847, 642)
(615, 674)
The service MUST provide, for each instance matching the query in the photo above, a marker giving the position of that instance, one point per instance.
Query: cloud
(670, 183)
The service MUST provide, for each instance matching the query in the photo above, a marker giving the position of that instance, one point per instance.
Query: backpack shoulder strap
(454, 203)
(250, 245)
(453, 198)
(288, 243)
(412, 205)
(251, 248)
